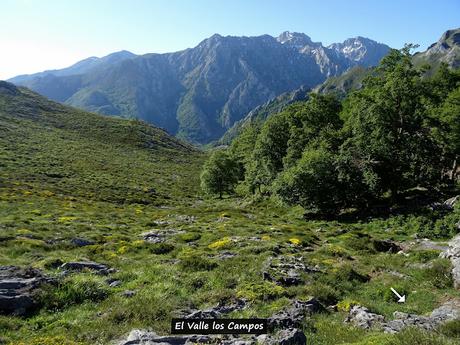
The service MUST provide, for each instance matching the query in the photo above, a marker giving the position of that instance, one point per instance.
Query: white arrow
(401, 299)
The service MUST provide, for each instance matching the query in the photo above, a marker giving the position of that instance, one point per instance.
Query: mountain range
(197, 94)
(446, 50)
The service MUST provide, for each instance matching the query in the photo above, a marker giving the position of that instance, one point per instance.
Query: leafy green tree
(269, 150)
(220, 174)
(388, 139)
(312, 183)
(316, 120)
(449, 131)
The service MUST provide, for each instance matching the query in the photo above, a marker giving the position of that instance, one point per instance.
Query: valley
(332, 214)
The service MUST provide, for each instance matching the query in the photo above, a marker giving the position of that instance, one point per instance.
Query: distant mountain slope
(200, 92)
(447, 50)
(80, 67)
(342, 84)
(47, 146)
(262, 112)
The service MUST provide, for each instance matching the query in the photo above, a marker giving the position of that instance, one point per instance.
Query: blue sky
(43, 34)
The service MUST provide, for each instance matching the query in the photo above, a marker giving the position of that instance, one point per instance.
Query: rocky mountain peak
(294, 38)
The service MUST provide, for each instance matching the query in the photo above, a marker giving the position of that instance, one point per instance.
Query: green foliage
(387, 136)
(74, 291)
(264, 291)
(161, 248)
(312, 183)
(451, 329)
(196, 262)
(397, 133)
(439, 273)
(410, 336)
(220, 174)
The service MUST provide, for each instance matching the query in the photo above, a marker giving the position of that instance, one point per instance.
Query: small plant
(73, 291)
(196, 262)
(439, 274)
(346, 304)
(220, 244)
(260, 291)
(161, 248)
(295, 241)
(189, 237)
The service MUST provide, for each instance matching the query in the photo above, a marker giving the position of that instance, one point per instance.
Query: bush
(161, 248)
(312, 183)
(325, 293)
(439, 274)
(220, 174)
(73, 291)
(197, 262)
(260, 291)
(451, 329)
(189, 237)
(411, 336)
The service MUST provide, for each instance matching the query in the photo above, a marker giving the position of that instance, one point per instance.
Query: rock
(217, 311)
(291, 337)
(128, 293)
(293, 315)
(86, 265)
(142, 337)
(453, 253)
(18, 288)
(158, 236)
(286, 270)
(403, 320)
(80, 242)
(450, 203)
(363, 318)
(113, 283)
(224, 255)
(386, 246)
(448, 311)
(161, 222)
(185, 218)
(426, 244)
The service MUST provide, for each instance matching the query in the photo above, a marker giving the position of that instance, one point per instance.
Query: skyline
(38, 36)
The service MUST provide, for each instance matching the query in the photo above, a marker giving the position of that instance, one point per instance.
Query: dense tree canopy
(400, 131)
(220, 174)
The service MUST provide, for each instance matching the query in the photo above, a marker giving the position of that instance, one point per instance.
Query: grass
(66, 174)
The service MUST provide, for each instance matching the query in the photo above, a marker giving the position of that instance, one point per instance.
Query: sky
(37, 35)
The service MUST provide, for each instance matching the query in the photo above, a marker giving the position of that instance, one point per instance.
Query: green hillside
(76, 186)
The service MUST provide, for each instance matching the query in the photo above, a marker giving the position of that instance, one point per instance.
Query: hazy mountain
(80, 67)
(200, 92)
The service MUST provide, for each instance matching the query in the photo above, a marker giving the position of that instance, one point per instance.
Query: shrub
(189, 236)
(346, 304)
(73, 291)
(260, 291)
(220, 244)
(161, 248)
(196, 262)
(451, 329)
(59, 340)
(439, 274)
(411, 336)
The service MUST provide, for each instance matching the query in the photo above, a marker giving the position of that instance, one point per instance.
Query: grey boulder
(18, 288)
(453, 253)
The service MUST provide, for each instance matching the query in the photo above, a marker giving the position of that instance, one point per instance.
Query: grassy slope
(66, 173)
